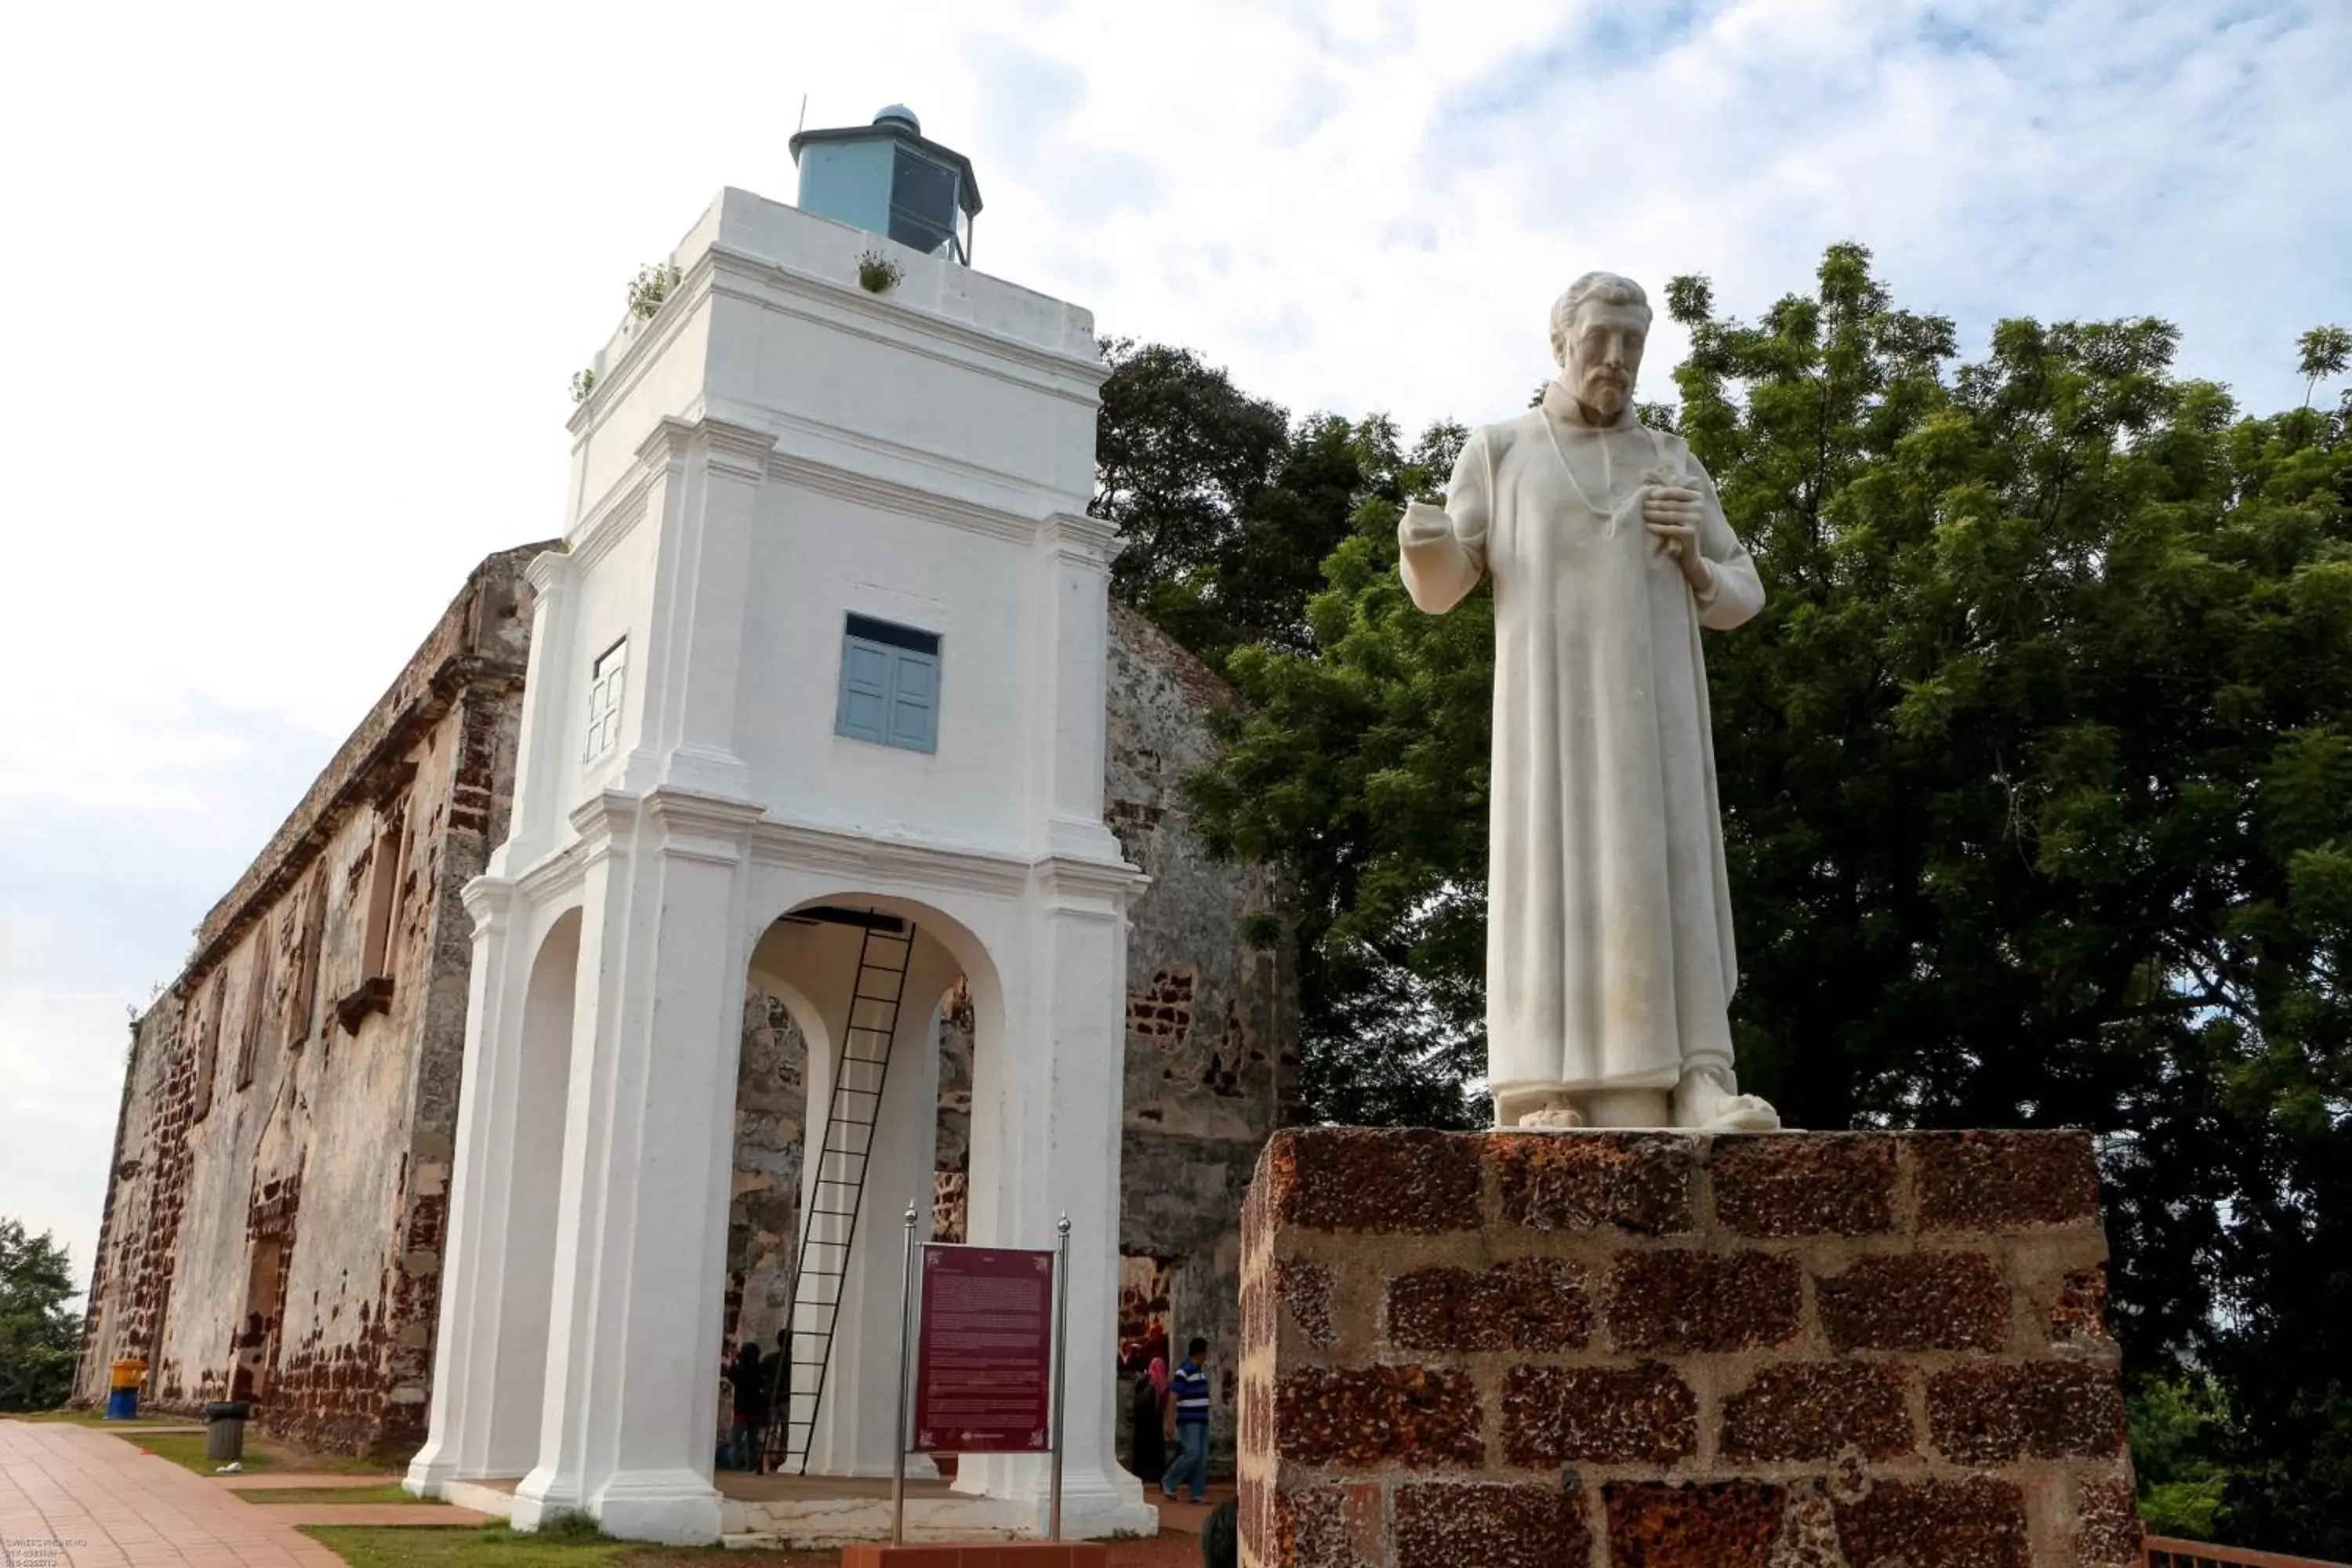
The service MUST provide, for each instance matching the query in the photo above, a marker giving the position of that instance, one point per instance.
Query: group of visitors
(762, 1389)
(1172, 1408)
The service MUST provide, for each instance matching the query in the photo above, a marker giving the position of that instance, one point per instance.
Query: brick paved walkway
(72, 1496)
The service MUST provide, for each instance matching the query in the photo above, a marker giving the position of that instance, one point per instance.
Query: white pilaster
(634, 1360)
(472, 1263)
(1055, 1105)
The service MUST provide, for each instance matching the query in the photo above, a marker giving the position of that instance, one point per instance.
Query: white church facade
(815, 693)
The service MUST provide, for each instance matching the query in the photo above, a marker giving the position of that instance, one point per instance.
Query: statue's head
(1598, 328)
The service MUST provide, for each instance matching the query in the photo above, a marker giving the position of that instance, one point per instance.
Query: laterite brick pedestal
(1604, 1350)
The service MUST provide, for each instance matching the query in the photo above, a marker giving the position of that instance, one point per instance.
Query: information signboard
(985, 1355)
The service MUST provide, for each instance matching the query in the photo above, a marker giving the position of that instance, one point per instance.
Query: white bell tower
(823, 650)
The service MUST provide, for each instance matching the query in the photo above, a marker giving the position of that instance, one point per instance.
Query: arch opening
(818, 1129)
(526, 1294)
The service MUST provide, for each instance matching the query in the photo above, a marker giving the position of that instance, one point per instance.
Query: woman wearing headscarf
(1149, 1397)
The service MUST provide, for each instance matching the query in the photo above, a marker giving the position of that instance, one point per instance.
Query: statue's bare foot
(1552, 1119)
(1708, 1099)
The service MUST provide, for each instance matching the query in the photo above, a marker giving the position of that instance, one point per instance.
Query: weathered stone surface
(1916, 1302)
(1637, 1181)
(1328, 1527)
(1444, 1525)
(2005, 1181)
(1983, 1414)
(283, 1149)
(1976, 1523)
(2080, 1313)
(1305, 1292)
(1528, 1304)
(1726, 1524)
(1814, 1410)
(1364, 1183)
(1354, 1416)
(1686, 1300)
(1804, 1184)
(1597, 1415)
(2106, 1524)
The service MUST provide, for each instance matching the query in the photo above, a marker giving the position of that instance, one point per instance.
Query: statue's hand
(1425, 523)
(1672, 514)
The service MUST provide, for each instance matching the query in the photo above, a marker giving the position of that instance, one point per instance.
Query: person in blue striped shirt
(1188, 1398)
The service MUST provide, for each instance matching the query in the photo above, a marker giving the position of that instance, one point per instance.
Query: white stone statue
(1609, 954)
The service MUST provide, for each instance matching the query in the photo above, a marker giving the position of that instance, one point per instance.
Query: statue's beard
(1604, 396)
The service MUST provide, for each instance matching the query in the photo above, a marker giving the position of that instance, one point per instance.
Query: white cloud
(295, 292)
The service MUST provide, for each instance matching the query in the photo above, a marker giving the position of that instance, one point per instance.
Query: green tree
(39, 1338)
(2036, 775)
(2322, 351)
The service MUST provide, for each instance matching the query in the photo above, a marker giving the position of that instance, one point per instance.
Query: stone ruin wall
(1596, 1350)
(332, 1159)
(1211, 1029)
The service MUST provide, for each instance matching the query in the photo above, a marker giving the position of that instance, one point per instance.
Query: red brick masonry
(1609, 1349)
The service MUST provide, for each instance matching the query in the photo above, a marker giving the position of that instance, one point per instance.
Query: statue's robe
(1609, 948)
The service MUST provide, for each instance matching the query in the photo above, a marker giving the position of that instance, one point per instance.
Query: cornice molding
(798, 435)
(612, 519)
(890, 495)
(550, 572)
(901, 863)
(852, 309)
(1078, 536)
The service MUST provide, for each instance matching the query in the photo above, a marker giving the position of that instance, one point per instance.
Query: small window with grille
(607, 680)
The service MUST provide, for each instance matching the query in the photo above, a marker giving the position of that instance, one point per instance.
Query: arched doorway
(838, 1132)
(544, 1088)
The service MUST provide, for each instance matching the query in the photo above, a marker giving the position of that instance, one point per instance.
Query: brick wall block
(1304, 1290)
(1814, 1410)
(1685, 1300)
(1974, 1523)
(1526, 1304)
(1328, 1527)
(1358, 1416)
(1598, 1415)
(1636, 1182)
(2005, 1181)
(1726, 1524)
(1363, 1182)
(1916, 1302)
(1804, 1184)
(1452, 1525)
(2107, 1525)
(1988, 1412)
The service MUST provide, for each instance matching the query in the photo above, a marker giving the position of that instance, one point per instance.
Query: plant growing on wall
(876, 273)
(651, 286)
(584, 381)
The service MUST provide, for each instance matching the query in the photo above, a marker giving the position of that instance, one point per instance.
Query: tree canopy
(39, 1338)
(2036, 775)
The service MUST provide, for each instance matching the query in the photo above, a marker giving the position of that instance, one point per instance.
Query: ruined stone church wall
(285, 1138)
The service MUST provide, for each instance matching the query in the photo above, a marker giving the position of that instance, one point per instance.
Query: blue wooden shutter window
(890, 685)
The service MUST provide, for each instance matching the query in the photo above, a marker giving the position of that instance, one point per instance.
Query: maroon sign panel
(984, 1356)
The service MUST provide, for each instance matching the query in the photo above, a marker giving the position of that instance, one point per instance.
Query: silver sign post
(906, 1349)
(1061, 1340)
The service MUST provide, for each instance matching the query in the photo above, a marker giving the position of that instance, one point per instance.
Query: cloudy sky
(294, 292)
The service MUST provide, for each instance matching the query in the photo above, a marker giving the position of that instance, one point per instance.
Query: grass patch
(390, 1491)
(97, 1418)
(187, 1450)
(496, 1546)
